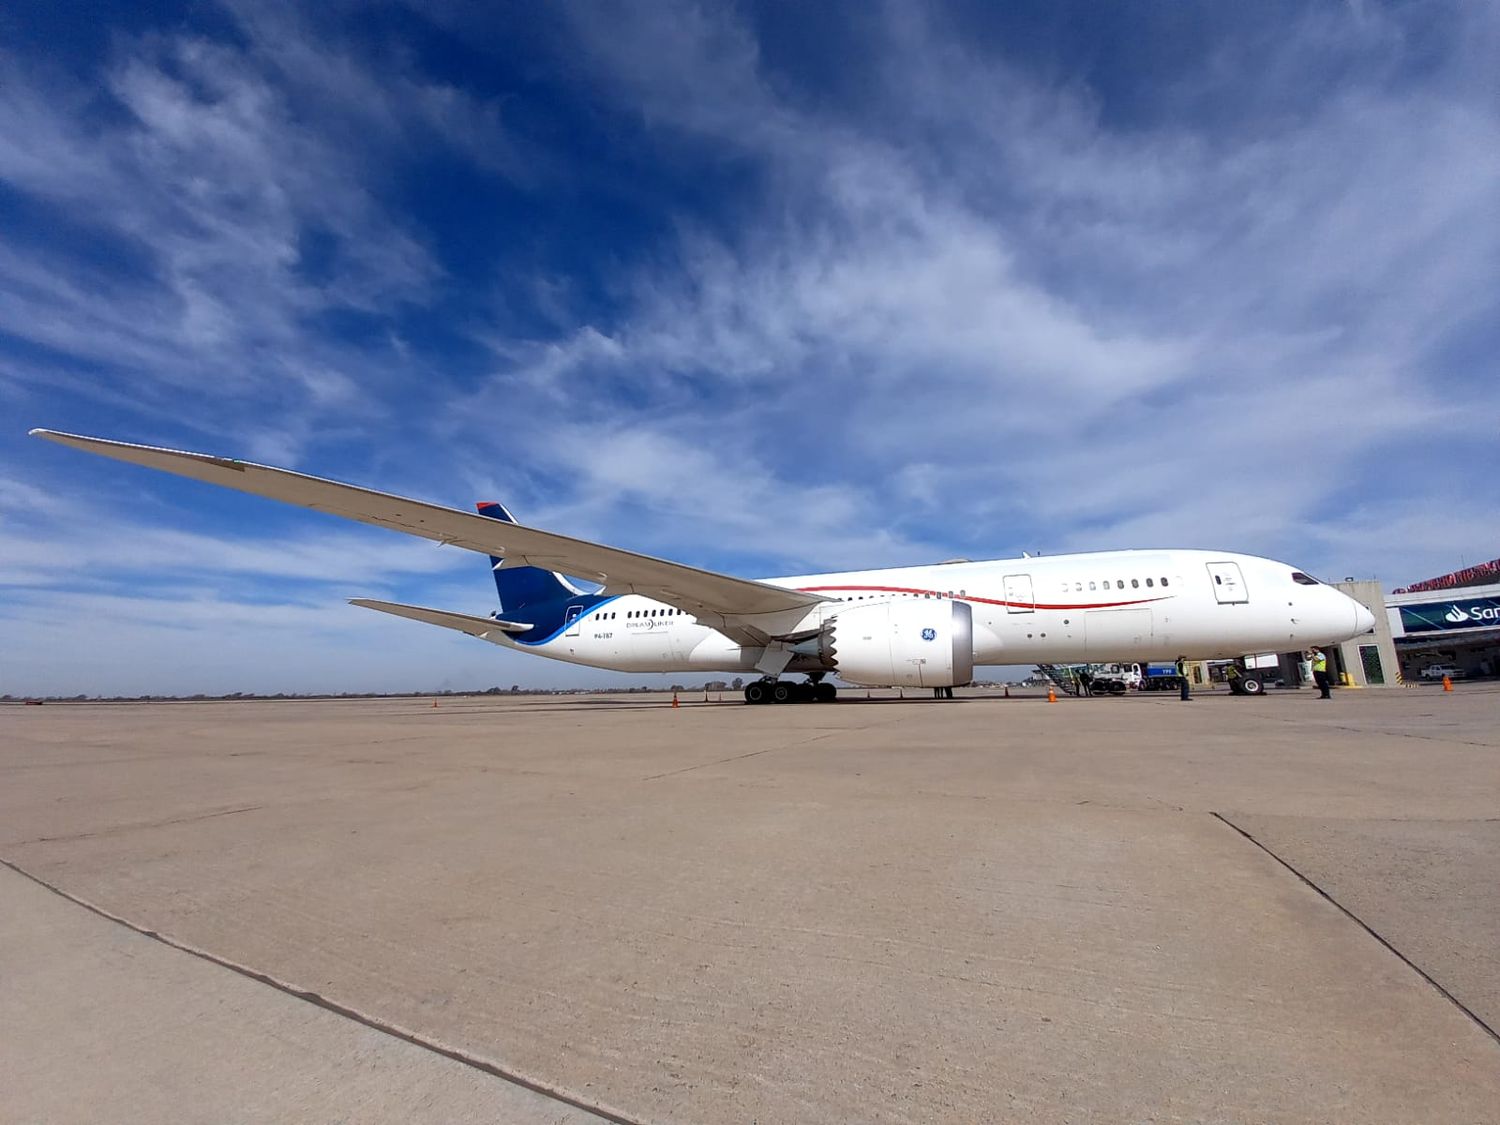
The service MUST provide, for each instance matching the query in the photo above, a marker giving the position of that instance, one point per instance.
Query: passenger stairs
(1063, 676)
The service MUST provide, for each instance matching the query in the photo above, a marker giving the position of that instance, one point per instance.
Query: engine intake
(921, 643)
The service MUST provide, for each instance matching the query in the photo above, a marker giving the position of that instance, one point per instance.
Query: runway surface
(549, 909)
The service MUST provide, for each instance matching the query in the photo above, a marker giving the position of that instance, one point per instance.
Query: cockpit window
(1304, 579)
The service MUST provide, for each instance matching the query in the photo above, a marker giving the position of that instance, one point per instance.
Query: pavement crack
(138, 825)
(1362, 924)
(320, 1001)
(742, 757)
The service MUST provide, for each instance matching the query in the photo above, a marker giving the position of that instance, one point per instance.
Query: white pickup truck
(1438, 671)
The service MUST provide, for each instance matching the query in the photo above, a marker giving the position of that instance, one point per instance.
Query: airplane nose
(1364, 620)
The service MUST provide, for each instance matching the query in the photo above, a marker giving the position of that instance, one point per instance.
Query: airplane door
(1018, 595)
(574, 620)
(1229, 583)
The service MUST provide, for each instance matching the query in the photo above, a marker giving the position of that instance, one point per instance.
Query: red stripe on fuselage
(972, 598)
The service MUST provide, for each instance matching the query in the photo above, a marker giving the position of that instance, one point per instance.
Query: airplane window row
(1135, 584)
(904, 594)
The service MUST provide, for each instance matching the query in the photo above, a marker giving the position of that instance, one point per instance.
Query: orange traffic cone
(1447, 684)
(674, 700)
(1051, 695)
(434, 702)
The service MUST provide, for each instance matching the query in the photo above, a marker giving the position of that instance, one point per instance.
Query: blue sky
(766, 289)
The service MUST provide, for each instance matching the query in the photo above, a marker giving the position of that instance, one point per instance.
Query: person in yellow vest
(1320, 672)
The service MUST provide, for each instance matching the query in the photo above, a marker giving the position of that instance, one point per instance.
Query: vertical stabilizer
(522, 586)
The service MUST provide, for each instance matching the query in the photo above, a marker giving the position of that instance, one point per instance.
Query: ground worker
(1320, 672)
(1182, 679)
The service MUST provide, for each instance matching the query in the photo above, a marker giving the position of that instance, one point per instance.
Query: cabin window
(1120, 584)
(1135, 583)
(1163, 581)
(1149, 582)
(1077, 587)
(1092, 586)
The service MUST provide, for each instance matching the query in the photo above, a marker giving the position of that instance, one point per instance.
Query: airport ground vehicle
(1438, 671)
(1114, 679)
(1160, 677)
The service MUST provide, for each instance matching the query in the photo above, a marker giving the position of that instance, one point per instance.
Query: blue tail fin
(522, 586)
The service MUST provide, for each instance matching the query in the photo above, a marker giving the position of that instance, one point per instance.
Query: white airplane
(915, 626)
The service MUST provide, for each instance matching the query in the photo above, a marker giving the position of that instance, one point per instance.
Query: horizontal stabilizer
(463, 622)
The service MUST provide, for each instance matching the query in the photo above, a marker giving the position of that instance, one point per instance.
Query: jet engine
(926, 642)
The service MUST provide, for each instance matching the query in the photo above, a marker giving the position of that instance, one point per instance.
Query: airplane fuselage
(1135, 605)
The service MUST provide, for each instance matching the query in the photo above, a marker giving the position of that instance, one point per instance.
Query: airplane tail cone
(1051, 695)
(1447, 684)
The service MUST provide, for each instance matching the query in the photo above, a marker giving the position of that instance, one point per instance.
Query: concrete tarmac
(1251, 910)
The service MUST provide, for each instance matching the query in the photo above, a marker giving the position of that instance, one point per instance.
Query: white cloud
(221, 209)
(981, 274)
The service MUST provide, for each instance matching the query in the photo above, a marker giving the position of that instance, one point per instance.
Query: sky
(767, 289)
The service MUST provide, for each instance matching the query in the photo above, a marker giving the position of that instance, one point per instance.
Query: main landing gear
(785, 691)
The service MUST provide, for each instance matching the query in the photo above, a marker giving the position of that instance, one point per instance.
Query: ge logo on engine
(929, 634)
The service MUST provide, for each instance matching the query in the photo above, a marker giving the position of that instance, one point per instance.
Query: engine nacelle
(920, 643)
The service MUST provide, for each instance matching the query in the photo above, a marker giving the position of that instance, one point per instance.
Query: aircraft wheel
(826, 693)
(805, 693)
(782, 692)
(755, 692)
(1249, 685)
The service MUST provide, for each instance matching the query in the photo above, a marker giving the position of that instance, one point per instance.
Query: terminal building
(1452, 620)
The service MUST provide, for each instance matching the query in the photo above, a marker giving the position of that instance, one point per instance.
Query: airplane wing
(464, 622)
(715, 598)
